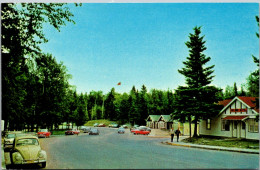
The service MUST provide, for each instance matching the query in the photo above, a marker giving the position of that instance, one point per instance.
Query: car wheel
(43, 165)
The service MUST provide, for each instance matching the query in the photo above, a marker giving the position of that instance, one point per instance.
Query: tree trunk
(195, 128)
(190, 126)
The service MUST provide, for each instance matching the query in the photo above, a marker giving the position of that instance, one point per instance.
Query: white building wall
(216, 123)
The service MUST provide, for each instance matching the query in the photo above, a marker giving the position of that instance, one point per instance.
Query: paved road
(110, 150)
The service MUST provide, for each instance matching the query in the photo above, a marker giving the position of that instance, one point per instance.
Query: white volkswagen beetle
(27, 150)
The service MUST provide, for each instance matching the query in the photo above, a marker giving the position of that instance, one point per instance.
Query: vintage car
(27, 150)
(101, 125)
(96, 124)
(86, 129)
(94, 131)
(141, 131)
(44, 133)
(9, 139)
(121, 130)
(72, 132)
(113, 125)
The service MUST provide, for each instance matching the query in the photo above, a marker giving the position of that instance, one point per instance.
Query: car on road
(113, 125)
(94, 131)
(27, 150)
(9, 139)
(145, 128)
(44, 133)
(96, 124)
(121, 130)
(72, 132)
(142, 132)
(125, 126)
(86, 130)
(101, 125)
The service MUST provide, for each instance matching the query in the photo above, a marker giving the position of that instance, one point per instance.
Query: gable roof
(166, 118)
(154, 118)
(248, 101)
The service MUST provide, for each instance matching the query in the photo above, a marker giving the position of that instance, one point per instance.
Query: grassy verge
(58, 132)
(225, 142)
(104, 121)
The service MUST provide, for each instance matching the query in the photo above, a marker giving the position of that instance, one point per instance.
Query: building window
(243, 125)
(208, 124)
(235, 124)
(253, 125)
(225, 125)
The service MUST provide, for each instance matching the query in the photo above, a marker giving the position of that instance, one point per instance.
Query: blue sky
(144, 43)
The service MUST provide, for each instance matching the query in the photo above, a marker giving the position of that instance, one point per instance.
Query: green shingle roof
(154, 118)
(166, 118)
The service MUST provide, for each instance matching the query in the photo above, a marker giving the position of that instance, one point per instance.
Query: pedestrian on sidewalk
(172, 134)
(177, 132)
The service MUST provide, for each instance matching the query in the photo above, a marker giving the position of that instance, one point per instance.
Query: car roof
(26, 136)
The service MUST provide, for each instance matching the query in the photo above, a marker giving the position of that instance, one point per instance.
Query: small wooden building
(165, 122)
(152, 121)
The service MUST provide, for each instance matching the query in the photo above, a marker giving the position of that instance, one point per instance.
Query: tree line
(36, 89)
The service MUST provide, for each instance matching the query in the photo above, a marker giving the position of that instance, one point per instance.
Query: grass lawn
(58, 132)
(104, 121)
(225, 142)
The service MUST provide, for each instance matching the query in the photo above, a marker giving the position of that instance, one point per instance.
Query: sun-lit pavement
(110, 150)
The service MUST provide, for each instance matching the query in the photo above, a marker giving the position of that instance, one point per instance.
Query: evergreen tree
(198, 77)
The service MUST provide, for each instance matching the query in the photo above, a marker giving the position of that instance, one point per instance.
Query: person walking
(177, 132)
(172, 134)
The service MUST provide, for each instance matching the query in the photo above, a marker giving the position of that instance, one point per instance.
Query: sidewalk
(157, 133)
(219, 148)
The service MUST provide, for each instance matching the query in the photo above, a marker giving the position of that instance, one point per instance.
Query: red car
(72, 132)
(101, 125)
(143, 132)
(44, 133)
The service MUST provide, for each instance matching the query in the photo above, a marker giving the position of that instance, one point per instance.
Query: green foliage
(196, 100)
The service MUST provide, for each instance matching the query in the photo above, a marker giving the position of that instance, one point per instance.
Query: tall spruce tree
(198, 76)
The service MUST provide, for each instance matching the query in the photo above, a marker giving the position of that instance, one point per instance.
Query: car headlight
(42, 154)
(18, 156)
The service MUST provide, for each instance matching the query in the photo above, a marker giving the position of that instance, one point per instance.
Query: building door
(243, 129)
(235, 128)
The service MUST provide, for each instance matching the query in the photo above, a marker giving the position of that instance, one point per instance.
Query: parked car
(72, 132)
(9, 139)
(96, 124)
(94, 131)
(82, 127)
(145, 128)
(101, 125)
(141, 131)
(125, 126)
(121, 130)
(86, 129)
(134, 129)
(27, 150)
(44, 133)
(113, 125)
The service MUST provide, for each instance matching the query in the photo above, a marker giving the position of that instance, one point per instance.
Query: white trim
(232, 102)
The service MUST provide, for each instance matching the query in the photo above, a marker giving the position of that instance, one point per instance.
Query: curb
(209, 148)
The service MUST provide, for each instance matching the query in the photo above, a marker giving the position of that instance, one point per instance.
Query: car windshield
(27, 141)
(9, 136)
(43, 130)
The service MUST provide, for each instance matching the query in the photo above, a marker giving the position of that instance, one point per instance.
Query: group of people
(176, 132)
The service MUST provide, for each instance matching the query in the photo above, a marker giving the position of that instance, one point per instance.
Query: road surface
(110, 150)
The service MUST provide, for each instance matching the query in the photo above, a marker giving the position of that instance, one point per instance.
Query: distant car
(94, 131)
(121, 130)
(96, 124)
(125, 126)
(101, 125)
(9, 139)
(82, 127)
(145, 128)
(27, 150)
(72, 132)
(142, 132)
(86, 129)
(44, 133)
(113, 125)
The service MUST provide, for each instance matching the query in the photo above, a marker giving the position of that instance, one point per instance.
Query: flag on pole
(119, 83)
